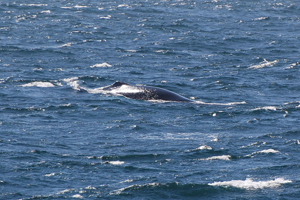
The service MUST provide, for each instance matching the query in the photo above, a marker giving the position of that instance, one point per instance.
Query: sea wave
(223, 157)
(250, 184)
(39, 84)
(266, 108)
(105, 64)
(263, 64)
(117, 162)
(204, 147)
(221, 104)
(266, 151)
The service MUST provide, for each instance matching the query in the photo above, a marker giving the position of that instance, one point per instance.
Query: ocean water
(62, 137)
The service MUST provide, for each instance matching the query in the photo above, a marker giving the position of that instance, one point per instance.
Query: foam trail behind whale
(221, 104)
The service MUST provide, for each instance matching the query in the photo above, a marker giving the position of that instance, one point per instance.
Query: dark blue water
(61, 137)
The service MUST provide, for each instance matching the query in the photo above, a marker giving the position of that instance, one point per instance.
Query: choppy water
(240, 59)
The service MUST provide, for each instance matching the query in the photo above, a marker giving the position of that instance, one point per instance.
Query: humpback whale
(144, 92)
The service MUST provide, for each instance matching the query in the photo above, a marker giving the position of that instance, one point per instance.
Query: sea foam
(221, 104)
(267, 108)
(223, 157)
(117, 162)
(101, 65)
(39, 84)
(263, 64)
(250, 184)
(204, 147)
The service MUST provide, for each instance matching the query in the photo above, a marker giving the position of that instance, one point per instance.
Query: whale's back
(144, 92)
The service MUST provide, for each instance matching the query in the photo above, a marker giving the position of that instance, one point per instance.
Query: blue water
(61, 137)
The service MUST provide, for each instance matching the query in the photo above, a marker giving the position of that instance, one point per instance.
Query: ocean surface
(62, 137)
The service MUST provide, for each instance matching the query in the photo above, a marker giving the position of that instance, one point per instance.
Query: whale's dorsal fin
(115, 85)
(118, 84)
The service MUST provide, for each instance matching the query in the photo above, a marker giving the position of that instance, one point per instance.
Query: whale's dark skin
(148, 93)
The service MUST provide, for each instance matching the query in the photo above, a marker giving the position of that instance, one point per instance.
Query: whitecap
(161, 51)
(265, 108)
(105, 64)
(291, 66)
(132, 51)
(65, 191)
(268, 151)
(127, 181)
(90, 188)
(75, 85)
(250, 184)
(37, 5)
(107, 17)
(223, 157)
(204, 147)
(122, 5)
(78, 196)
(65, 105)
(260, 18)
(117, 162)
(70, 79)
(38, 84)
(46, 11)
(223, 6)
(263, 64)
(73, 82)
(66, 45)
(52, 174)
(78, 6)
